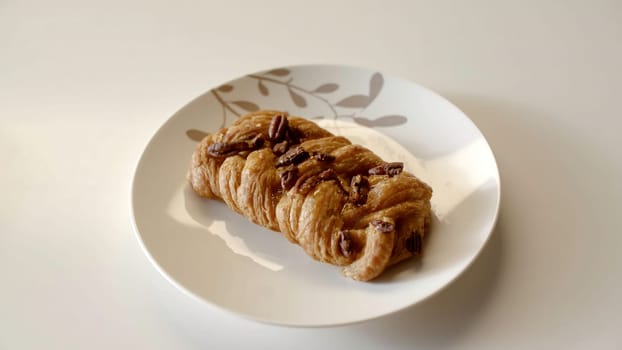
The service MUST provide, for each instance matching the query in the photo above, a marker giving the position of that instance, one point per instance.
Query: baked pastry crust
(340, 202)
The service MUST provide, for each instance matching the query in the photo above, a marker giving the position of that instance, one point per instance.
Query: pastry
(340, 202)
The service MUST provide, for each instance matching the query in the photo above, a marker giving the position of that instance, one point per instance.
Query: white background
(85, 84)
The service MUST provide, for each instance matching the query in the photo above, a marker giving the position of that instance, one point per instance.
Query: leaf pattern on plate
(375, 85)
(326, 88)
(279, 72)
(387, 120)
(262, 88)
(362, 101)
(300, 95)
(297, 99)
(354, 101)
(246, 105)
(196, 135)
(225, 88)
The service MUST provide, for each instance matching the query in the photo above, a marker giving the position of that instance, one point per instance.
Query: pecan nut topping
(294, 155)
(306, 183)
(414, 243)
(382, 226)
(279, 127)
(289, 177)
(359, 187)
(294, 136)
(345, 243)
(323, 157)
(280, 148)
(390, 169)
(227, 149)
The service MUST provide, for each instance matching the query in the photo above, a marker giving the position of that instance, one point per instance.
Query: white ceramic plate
(218, 256)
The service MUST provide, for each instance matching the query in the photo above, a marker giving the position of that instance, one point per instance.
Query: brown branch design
(298, 94)
(298, 100)
(225, 105)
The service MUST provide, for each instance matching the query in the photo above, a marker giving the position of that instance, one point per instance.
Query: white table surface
(85, 84)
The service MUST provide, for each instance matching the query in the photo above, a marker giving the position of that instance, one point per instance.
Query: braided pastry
(340, 202)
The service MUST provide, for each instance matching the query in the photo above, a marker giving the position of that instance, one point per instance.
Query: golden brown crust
(316, 189)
